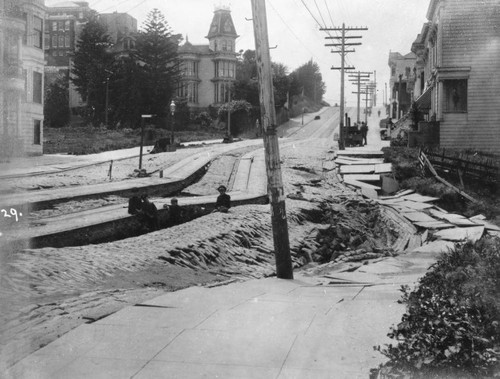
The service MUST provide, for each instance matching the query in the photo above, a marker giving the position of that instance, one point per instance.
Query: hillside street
(49, 292)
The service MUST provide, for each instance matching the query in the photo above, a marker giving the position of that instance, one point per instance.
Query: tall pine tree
(157, 54)
(91, 66)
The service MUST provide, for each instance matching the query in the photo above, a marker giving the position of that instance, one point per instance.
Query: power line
(289, 28)
(114, 6)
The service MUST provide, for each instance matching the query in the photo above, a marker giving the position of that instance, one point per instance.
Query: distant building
(21, 77)
(122, 28)
(63, 25)
(401, 83)
(208, 71)
(458, 54)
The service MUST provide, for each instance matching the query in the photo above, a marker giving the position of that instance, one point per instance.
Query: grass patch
(89, 140)
(451, 328)
(407, 172)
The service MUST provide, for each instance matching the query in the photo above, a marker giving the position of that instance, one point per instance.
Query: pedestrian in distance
(149, 213)
(364, 133)
(134, 203)
(223, 202)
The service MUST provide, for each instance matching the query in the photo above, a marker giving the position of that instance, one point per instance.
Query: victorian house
(21, 72)
(457, 82)
(401, 83)
(208, 71)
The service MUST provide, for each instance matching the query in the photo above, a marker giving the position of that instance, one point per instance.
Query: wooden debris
(369, 193)
(359, 153)
(357, 183)
(357, 161)
(418, 217)
(363, 177)
(452, 218)
(439, 246)
(414, 241)
(357, 169)
(433, 225)
(383, 167)
(414, 205)
(461, 234)
(419, 198)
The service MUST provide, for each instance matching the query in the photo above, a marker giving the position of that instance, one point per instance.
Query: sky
(294, 34)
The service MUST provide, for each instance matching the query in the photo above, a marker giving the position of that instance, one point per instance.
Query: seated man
(134, 203)
(174, 212)
(223, 202)
(150, 213)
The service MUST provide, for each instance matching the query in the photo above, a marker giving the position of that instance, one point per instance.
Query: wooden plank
(414, 242)
(461, 234)
(419, 198)
(383, 167)
(363, 177)
(357, 161)
(418, 217)
(434, 225)
(359, 153)
(414, 205)
(357, 169)
(357, 183)
(487, 225)
(369, 193)
(439, 246)
(452, 218)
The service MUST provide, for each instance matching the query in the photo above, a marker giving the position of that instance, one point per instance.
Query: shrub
(451, 325)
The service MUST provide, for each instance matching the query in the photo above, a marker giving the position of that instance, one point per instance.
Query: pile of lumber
(362, 169)
(435, 224)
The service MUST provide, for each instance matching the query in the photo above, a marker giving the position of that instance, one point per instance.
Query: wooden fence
(472, 166)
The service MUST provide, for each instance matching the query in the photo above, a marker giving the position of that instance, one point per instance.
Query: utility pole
(275, 190)
(342, 68)
(229, 112)
(359, 78)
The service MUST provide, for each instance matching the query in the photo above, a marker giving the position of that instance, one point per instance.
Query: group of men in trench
(147, 213)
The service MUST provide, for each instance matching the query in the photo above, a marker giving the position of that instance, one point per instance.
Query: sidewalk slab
(267, 328)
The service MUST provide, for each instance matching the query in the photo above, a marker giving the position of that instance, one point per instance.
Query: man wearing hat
(150, 213)
(223, 202)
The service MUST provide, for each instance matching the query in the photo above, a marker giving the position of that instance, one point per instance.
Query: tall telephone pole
(275, 190)
(342, 68)
(358, 78)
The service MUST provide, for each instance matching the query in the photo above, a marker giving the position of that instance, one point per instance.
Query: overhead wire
(289, 28)
(114, 6)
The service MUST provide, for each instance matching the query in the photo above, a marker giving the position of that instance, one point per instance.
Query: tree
(157, 56)
(246, 86)
(91, 67)
(56, 104)
(307, 80)
(281, 83)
